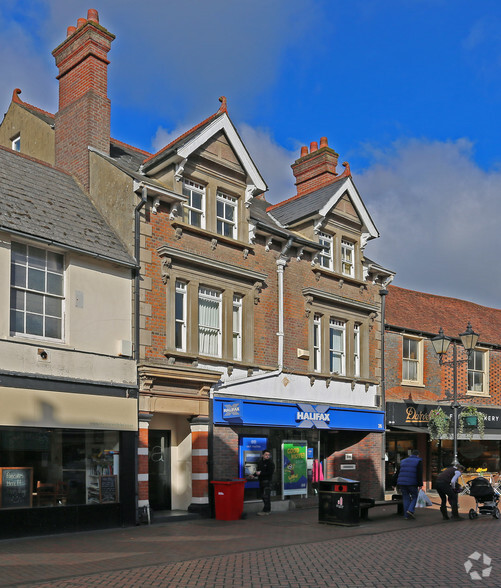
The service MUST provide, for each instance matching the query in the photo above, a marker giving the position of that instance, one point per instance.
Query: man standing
(264, 472)
(410, 479)
(446, 488)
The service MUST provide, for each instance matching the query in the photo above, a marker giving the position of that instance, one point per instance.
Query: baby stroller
(486, 498)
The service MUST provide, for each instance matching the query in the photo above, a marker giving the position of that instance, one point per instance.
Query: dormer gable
(207, 138)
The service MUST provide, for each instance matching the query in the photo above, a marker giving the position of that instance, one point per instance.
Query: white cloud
(272, 160)
(438, 215)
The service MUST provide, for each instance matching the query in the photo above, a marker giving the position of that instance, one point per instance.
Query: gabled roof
(426, 313)
(264, 221)
(43, 115)
(321, 202)
(129, 156)
(185, 145)
(45, 203)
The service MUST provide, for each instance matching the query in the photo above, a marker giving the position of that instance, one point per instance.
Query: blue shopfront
(304, 439)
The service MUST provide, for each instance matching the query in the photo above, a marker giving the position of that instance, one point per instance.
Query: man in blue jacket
(410, 479)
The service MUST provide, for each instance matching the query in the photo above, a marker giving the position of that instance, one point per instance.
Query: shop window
(194, 209)
(477, 372)
(58, 467)
(412, 367)
(37, 292)
(209, 322)
(226, 213)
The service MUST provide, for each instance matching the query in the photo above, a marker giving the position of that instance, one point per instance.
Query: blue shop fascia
(313, 430)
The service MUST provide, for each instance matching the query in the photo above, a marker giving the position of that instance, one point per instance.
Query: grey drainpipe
(383, 293)
(137, 275)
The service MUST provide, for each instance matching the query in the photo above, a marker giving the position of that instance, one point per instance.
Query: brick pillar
(199, 465)
(142, 461)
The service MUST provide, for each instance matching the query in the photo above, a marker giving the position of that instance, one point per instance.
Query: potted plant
(439, 424)
(470, 419)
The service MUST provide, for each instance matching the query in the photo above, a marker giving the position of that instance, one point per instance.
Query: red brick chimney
(315, 169)
(83, 118)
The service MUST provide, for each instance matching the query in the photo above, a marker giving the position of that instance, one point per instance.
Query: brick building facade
(251, 320)
(415, 383)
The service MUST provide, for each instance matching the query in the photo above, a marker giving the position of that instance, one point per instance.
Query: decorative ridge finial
(224, 105)
(347, 171)
(15, 96)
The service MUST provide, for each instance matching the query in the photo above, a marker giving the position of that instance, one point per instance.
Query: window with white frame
(16, 143)
(37, 292)
(347, 257)
(412, 368)
(477, 371)
(180, 310)
(194, 209)
(237, 327)
(209, 322)
(337, 332)
(326, 256)
(226, 212)
(356, 349)
(317, 344)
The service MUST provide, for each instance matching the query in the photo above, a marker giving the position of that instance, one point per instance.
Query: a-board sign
(108, 489)
(16, 487)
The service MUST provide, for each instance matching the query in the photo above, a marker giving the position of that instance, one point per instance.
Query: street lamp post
(441, 345)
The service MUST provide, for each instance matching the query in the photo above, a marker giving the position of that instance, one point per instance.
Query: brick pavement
(285, 550)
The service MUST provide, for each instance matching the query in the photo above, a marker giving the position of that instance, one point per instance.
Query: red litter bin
(229, 499)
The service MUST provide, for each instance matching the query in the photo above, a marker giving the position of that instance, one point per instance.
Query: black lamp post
(441, 345)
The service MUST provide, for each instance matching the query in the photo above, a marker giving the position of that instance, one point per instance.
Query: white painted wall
(95, 325)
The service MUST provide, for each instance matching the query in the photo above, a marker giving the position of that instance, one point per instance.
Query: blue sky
(407, 91)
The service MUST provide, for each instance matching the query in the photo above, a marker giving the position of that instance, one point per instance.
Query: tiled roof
(183, 138)
(44, 202)
(426, 313)
(130, 157)
(299, 207)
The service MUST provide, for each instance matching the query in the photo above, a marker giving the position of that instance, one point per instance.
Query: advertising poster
(294, 471)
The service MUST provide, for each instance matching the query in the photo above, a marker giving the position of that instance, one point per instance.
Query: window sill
(216, 238)
(173, 355)
(413, 384)
(342, 378)
(319, 270)
(478, 394)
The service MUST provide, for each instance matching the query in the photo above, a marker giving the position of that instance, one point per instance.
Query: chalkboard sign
(108, 488)
(16, 487)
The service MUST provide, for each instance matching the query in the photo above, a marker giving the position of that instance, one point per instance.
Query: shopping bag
(422, 499)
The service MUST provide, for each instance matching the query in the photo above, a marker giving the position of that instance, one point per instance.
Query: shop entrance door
(159, 486)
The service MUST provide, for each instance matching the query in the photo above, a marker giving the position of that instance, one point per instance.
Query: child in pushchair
(486, 498)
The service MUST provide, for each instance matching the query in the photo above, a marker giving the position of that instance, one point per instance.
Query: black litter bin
(339, 502)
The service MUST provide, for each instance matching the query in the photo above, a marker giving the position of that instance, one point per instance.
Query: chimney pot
(81, 22)
(323, 142)
(304, 151)
(93, 15)
(313, 146)
(70, 31)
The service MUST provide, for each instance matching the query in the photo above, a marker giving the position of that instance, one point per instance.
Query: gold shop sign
(414, 416)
